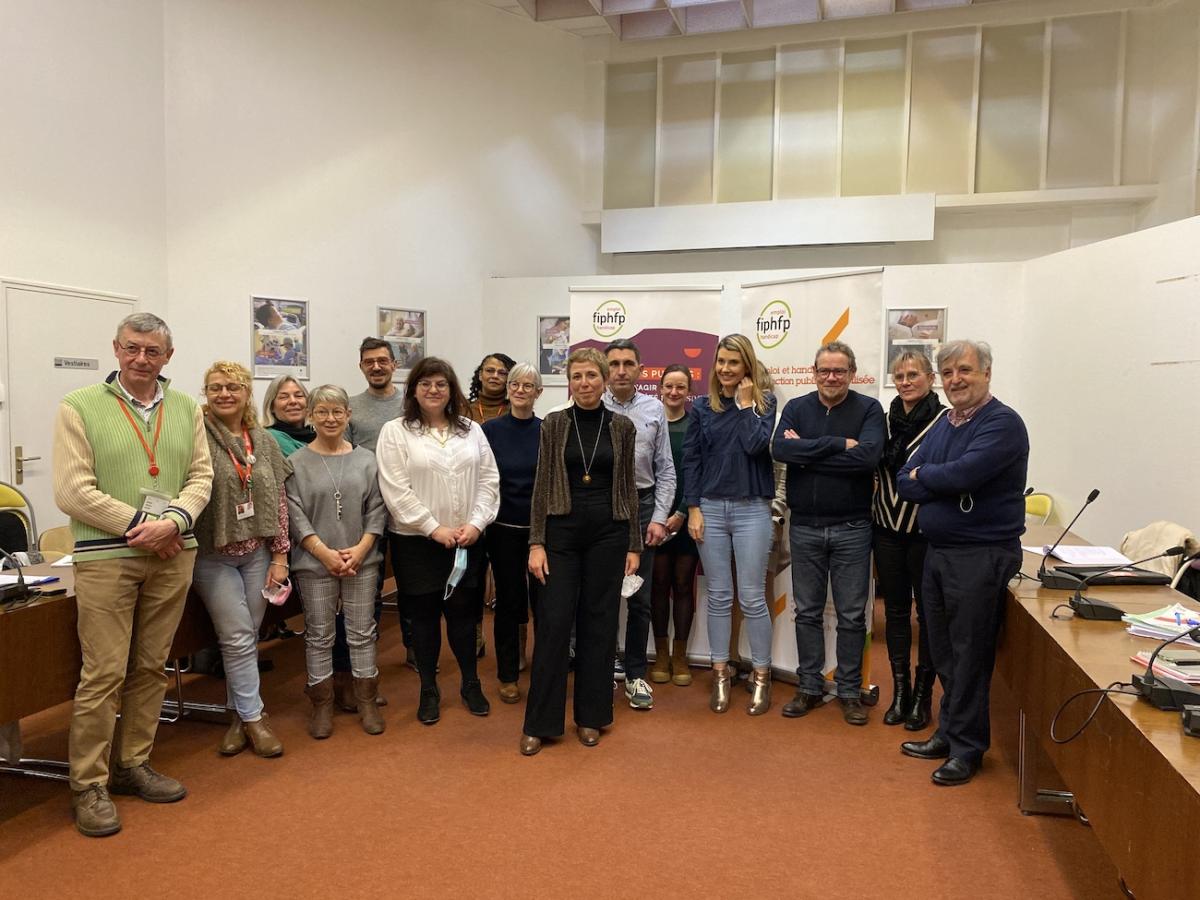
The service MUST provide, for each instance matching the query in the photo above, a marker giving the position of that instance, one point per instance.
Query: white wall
(1112, 375)
(364, 154)
(81, 160)
(984, 302)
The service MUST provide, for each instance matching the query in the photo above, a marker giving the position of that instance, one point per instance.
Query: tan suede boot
(368, 710)
(263, 739)
(680, 674)
(660, 671)
(320, 717)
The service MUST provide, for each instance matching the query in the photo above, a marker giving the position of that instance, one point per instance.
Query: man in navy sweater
(969, 477)
(831, 440)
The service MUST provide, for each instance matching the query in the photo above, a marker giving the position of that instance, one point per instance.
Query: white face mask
(457, 572)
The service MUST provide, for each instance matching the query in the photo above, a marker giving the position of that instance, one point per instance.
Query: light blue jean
(737, 531)
(231, 588)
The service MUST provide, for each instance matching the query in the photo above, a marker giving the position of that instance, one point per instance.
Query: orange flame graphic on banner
(838, 327)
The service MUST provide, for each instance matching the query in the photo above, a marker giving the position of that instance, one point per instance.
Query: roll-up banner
(788, 321)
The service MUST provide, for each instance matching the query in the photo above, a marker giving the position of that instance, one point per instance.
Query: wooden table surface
(1133, 771)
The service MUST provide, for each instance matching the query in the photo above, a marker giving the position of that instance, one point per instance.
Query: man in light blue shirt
(655, 472)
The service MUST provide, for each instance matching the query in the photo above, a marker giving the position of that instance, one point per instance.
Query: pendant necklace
(337, 482)
(433, 433)
(587, 463)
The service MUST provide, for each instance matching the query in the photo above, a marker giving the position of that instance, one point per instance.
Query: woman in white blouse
(442, 489)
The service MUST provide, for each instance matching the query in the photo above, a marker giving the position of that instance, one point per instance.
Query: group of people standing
(615, 495)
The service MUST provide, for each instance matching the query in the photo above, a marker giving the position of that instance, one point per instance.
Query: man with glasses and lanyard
(831, 440)
(132, 471)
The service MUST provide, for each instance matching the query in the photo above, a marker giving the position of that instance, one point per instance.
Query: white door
(56, 340)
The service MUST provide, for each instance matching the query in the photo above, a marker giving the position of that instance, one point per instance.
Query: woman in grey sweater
(337, 515)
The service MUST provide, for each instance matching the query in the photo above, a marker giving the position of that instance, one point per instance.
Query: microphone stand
(1102, 610)
(12, 593)
(1062, 580)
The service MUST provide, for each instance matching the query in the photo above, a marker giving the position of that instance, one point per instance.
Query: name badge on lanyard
(154, 503)
(245, 509)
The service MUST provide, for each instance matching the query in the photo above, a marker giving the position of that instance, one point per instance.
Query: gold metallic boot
(760, 692)
(722, 683)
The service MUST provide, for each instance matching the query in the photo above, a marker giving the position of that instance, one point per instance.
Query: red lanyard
(149, 448)
(246, 475)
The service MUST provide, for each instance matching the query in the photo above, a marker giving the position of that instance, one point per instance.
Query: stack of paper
(1164, 624)
(1186, 674)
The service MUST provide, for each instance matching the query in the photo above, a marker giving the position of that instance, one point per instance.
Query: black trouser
(637, 615)
(427, 612)
(585, 552)
(900, 562)
(508, 552)
(964, 595)
(341, 652)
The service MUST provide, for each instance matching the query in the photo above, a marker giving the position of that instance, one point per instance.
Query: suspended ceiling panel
(632, 20)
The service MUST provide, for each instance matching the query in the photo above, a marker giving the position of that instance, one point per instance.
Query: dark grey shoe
(853, 711)
(95, 813)
(142, 781)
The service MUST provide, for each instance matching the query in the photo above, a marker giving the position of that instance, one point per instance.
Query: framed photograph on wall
(908, 328)
(553, 347)
(279, 337)
(404, 329)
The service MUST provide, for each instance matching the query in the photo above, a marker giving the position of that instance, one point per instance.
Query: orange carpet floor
(674, 802)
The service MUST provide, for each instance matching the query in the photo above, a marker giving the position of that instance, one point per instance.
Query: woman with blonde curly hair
(243, 545)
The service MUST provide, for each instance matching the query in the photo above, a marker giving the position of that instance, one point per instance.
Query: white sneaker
(639, 693)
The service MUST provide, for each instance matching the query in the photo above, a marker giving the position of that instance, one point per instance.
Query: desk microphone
(1090, 608)
(1061, 581)
(1162, 690)
(11, 593)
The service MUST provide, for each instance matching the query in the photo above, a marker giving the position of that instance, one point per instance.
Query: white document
(1089, 556)
(65, 561)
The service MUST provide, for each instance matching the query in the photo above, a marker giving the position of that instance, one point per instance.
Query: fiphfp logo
(773, 324)
(609, 318)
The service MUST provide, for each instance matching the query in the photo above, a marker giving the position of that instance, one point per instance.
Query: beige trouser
(129, 609)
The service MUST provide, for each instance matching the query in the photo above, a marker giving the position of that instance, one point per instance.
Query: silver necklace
(587, 463)
(337, 482)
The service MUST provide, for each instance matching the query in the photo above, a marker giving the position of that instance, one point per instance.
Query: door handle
(19, 464)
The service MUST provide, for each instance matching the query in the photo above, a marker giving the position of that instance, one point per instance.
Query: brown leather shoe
(510, 692)
(234, 741)
(263, 739)
(142, 781)
(530, 745)
(589, 737)
(343, 692)
(365, 690)
(853, 711)
(95, 814)
(320, 717)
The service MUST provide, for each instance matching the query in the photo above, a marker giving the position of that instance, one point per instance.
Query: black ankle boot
(429, 706)
(472, 695)
(922, 700)
(901, 694)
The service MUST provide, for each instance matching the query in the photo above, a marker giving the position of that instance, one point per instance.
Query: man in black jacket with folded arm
(831, 440)
(969, 478)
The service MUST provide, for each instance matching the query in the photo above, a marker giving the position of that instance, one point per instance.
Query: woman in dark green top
(285, 412)
(674, 579)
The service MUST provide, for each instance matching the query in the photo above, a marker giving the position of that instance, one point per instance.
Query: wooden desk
(1133, 771)
(39, 645)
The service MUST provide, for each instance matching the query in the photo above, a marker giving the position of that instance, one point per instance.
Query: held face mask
(457, 572)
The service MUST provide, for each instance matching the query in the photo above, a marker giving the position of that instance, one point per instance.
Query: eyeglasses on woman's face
(216, 388)
(324, 413)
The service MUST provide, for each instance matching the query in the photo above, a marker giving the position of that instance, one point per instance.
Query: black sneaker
(472, 695)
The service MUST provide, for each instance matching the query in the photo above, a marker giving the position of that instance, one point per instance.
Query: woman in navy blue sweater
(728, 486)
(514, 441)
